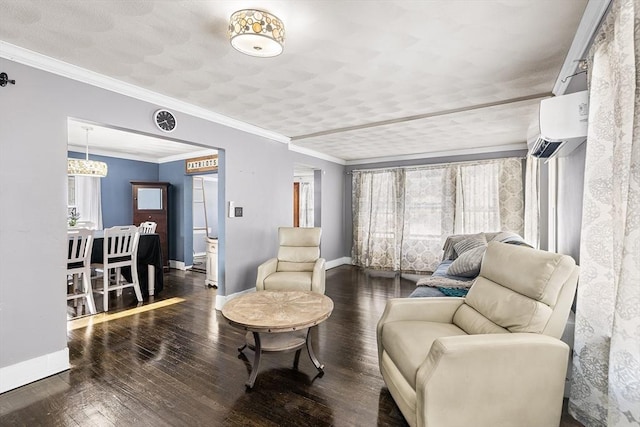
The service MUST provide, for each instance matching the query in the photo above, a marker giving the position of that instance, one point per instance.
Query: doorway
(205, 217)
(306, 189)
(138, 156)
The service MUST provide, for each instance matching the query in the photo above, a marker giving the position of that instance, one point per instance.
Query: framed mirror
(149, 199)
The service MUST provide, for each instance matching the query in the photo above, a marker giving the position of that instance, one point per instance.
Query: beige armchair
(493, 358)
(298, 265)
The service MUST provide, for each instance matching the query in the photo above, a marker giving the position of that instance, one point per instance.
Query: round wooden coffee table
(278, 321)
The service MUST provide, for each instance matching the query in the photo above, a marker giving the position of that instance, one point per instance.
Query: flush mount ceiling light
(86, 167)
(256, 33)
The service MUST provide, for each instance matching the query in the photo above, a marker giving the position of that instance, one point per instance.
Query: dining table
(150, 272)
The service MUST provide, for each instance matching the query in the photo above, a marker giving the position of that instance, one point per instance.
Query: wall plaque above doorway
(201, 164)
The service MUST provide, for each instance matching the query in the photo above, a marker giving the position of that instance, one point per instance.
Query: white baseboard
(222, 299)
(179, 265)
(31, 370)
(338, 262)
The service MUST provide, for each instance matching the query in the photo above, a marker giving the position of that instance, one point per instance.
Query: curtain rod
(466, 162)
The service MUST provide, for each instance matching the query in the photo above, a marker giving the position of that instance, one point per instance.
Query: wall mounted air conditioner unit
(561, 125)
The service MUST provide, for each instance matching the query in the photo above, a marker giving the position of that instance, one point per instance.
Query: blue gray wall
(116, 186)
(179, 198)
(116, 198)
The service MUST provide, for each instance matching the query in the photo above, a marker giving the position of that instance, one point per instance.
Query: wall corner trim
(316, 154)
(28, 371)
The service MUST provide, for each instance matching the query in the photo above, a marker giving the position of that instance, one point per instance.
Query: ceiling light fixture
(86, 167)
(256, 33)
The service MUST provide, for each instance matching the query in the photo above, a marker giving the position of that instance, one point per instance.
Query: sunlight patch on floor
(106, 317)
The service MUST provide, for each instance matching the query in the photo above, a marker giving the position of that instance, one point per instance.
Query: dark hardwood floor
(178, 365)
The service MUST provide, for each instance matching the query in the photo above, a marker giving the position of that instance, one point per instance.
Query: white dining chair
(79, 264)
(120, 249)
(148, 227)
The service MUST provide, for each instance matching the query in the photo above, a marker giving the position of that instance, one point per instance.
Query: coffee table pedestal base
(276, 342)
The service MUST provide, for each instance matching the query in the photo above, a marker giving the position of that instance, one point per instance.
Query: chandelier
(86, 167)
(256, 33)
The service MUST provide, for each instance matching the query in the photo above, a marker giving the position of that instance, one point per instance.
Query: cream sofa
(298, 265)
(493, 358)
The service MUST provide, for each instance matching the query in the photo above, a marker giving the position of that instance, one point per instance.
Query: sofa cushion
(468, 264)
(472, 322)
(539, 277)
(298, 253)
(408, 342)
(283, 281)
(509, 237)
(515, 312)
(471, 242)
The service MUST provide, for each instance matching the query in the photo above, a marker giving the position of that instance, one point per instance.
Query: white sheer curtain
(377, 233)
(429, 203)
(89, 200)
(402, 216)
(306, 204)
(490, 196)
(477, 198)
(605, 387)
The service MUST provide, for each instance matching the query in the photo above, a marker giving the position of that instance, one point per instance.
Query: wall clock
(164, 120)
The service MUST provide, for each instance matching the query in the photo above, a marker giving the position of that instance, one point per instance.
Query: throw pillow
(511, 238)
(468, 264)
(470, 242)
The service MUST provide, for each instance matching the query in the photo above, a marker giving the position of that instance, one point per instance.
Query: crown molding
(449, 153)
(64, 69)
(139, 158)
(316, 154)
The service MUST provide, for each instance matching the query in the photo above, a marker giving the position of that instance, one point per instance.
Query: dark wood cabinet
(151, 203)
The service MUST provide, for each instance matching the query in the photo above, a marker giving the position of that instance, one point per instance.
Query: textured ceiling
(351, 74)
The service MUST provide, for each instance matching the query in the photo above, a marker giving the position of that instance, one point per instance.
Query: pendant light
(86, 167)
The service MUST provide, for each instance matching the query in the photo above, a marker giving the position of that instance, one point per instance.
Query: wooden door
(296, 204)
(151, 203)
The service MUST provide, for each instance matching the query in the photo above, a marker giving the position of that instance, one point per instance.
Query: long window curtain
(376, 231)
(490, 197)
(605, 387)
(477, 198)
(88, 199)
(429, 196)
(402, 216)
(306, 204)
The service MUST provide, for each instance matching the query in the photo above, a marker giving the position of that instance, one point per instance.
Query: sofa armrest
(266, 268)
(430, 309)
(492, 375)
(318, 276)
(434, 309)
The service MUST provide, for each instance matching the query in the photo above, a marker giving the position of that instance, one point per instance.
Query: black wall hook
(4, 79)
